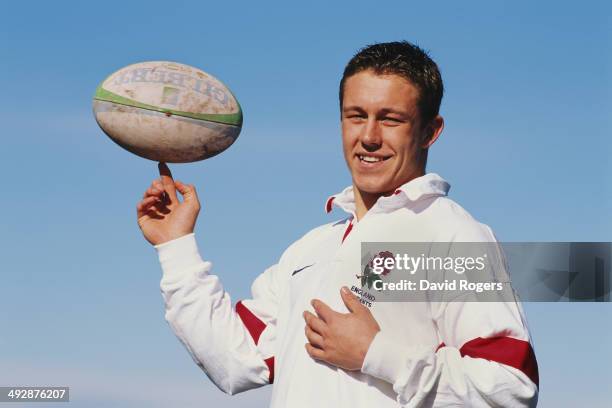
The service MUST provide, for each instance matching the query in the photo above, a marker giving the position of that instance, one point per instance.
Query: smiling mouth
(372, 159)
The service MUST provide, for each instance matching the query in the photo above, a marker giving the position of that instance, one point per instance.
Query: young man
(303, 329)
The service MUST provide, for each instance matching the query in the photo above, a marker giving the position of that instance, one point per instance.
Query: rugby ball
(166, 111)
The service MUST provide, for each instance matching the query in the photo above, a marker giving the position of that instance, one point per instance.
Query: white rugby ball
(166, 111)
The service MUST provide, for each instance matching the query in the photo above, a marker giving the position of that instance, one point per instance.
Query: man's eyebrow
(382, 111)
(348, 108)
(395, 111)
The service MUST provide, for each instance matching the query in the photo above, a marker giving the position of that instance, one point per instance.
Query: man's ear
(432, 131)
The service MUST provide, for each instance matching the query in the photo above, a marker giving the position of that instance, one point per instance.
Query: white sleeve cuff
(179, 256)
(391, 360)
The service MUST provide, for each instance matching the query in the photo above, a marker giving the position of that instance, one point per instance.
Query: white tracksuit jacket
(443, 354)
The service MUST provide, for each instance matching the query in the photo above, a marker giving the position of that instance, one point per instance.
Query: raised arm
(233, 345)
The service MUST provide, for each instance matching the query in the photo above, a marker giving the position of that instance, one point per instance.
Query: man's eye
(356, 116)
(392, 120)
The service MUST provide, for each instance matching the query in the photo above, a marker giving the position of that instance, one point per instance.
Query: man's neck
(364, 201)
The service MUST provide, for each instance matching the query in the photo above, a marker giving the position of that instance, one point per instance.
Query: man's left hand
(340, 339)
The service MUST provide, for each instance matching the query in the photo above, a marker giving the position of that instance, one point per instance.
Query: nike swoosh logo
(301, 269)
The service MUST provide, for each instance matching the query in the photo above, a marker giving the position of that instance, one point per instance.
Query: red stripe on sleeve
(505, 350)
(255, 327)
(252, 322)
(270, 363)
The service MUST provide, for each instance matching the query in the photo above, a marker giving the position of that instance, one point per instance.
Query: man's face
(381, 131)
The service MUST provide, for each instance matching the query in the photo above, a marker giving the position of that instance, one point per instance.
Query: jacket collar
(429, 185)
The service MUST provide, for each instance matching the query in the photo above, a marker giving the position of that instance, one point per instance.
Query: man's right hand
(161, 216)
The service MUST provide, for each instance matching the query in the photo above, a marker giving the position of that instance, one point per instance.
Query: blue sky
(526, 149)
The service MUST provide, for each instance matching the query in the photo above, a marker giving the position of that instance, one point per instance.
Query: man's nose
(371, 138)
